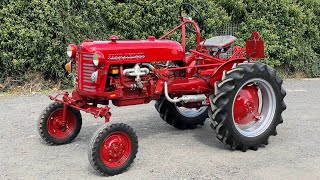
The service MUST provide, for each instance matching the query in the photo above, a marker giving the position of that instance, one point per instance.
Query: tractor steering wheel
(189, 11)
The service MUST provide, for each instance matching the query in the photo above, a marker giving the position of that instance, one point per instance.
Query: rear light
(72, 50)
(98, 59)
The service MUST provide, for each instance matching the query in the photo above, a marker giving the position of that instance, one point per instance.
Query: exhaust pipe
(184, 98)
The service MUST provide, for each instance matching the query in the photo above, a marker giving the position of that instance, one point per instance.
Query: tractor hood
(133, 51)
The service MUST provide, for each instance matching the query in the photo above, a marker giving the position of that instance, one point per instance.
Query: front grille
(85, 68)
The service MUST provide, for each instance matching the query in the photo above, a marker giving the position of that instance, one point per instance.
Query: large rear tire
(247, 105)
(180, 117)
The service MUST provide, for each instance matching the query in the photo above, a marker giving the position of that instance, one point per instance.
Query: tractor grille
(85, 68)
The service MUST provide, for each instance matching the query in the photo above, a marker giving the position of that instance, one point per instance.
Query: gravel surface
(164, 152)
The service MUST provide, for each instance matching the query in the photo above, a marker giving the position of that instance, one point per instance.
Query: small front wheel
(53, 129)
(113, 149)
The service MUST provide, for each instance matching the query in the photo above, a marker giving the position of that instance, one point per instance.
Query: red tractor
(242, 97)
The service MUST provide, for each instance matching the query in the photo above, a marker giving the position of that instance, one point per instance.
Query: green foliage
(34, 33)
(290, 29)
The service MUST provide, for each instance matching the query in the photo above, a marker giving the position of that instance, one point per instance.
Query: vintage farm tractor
(243, 98)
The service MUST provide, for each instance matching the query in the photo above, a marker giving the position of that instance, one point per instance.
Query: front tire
(247, 105)
(180, 117)
(113, 149)
(53, 130)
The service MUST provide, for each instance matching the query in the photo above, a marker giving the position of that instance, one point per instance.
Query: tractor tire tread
(218, 115)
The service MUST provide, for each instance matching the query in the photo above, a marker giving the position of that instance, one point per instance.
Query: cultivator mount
(242, 98)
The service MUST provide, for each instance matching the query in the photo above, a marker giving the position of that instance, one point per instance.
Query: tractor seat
(219, 41)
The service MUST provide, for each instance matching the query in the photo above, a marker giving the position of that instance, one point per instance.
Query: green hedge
(34, 33)
(290, 28)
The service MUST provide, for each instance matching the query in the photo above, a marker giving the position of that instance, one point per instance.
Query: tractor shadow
(205, 135)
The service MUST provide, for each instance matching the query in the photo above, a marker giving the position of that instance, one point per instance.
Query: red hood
(131, 50)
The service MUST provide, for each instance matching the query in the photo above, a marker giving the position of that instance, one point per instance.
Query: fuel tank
(135, 51)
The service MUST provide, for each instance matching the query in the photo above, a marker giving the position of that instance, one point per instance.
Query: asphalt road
(164, 152)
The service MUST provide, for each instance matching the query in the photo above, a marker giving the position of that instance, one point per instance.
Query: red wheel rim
(59, 129)
(246, 105)
(115, 149)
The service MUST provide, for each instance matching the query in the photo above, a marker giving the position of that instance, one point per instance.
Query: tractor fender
(217, 76)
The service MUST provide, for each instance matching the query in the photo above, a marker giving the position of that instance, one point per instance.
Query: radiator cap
(151, 38)
(114, 38)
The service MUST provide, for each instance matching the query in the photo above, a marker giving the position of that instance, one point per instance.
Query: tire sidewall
(277, 115)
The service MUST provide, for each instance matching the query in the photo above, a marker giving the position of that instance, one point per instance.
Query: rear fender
(217, 76)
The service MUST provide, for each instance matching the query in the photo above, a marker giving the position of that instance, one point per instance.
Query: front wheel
(247, 106)
(113, 149)
(53, 129)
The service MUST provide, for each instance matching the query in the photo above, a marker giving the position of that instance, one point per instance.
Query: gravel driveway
(164, 152)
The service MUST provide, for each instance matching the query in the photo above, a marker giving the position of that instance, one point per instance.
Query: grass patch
(31, 82)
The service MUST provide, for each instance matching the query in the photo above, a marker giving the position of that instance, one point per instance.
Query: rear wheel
(181, 117)
(113, 149)
(53, 130)
(247, 106)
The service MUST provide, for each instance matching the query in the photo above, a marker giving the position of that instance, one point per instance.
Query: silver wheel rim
(267, 108)
(190, 112)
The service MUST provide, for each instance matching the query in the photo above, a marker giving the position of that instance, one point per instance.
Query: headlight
(72, 50)
(94, 76)
(98, 59)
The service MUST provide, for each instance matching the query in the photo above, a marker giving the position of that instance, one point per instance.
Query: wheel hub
(253, 107)
(115, 149)
(246, 106)
(59, 123)
(59, 128)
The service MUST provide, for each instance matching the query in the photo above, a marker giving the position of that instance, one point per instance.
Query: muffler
(184, 98)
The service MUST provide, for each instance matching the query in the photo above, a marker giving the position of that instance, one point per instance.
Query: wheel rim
(115, 149)
(253, 108)
(59, 129)
(190, 112)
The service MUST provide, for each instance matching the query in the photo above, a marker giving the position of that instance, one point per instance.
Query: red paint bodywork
(196, 72)
(151, 50)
